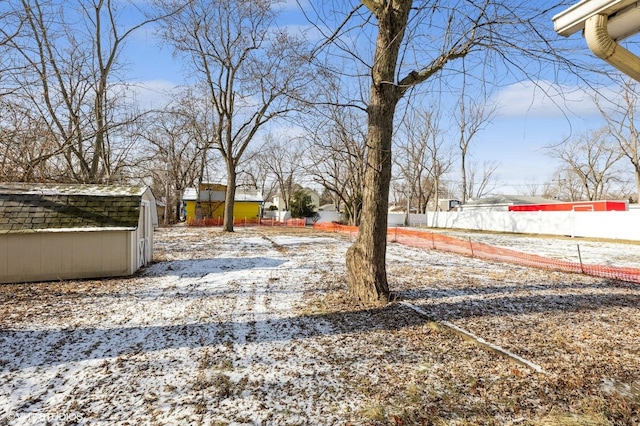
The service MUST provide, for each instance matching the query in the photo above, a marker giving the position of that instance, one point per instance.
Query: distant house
(330, 207)
(278, 200)
(208, 200)
(161, 209)
(503, 202)
(53, 232)
(447, 204)
(523, 203)
(401, 208)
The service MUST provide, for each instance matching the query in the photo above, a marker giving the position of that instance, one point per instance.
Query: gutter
(605, 47)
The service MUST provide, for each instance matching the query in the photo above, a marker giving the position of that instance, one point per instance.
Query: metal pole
(580, 258)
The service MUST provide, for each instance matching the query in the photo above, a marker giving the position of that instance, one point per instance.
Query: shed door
(143, 235)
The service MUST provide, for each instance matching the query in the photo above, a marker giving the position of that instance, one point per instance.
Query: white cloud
(152, 93)
(307, 32)
(292, 4)
(544, 99)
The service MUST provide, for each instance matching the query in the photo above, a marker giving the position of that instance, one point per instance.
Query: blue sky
(526, 120)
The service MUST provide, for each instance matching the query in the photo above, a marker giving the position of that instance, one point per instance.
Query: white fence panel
(616, 225)
(396, 219)
(330, 216)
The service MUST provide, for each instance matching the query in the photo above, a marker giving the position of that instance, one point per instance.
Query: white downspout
(604, 47)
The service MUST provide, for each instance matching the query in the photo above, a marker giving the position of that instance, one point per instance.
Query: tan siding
(4, 261)
(58, 255)
(114, 257)
(24, 254)
(56, 251)
(85, 261)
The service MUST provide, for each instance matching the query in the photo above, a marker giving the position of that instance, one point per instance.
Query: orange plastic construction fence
(250, 221)
(435, 241)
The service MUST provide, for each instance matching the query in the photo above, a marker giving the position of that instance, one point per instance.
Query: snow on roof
(510, 199)
(71, 189)
(191, 194)
(248, 196)
(327, 207)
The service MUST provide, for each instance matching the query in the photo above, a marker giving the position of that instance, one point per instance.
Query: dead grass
(396, 367)
(583, 331)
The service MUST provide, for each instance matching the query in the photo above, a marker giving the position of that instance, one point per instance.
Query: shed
(64, 231)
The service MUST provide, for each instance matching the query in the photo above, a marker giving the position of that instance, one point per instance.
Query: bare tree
(180, 147)
(536, 189)
(415, 42)
(11, 22)
(480, 179)
(337, 155)
(254, 173)
(471, 117)
(591, 158)
(366, 258)
(27, 148)
(566, 186)
(283, 158)
(65, 59)
(422, 159)
(621, 123)
(249, 71)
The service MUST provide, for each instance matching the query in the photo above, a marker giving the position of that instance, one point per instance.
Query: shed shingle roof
(37, 208)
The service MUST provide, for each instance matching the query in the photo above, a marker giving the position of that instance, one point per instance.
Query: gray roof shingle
(39, 207)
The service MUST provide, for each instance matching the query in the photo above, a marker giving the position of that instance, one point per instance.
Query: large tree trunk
(230, 195)
(366, 258)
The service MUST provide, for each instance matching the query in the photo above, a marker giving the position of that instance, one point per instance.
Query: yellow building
(206, 205)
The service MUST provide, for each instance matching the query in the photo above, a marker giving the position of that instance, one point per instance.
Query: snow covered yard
(572, 249)
(255, 328)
